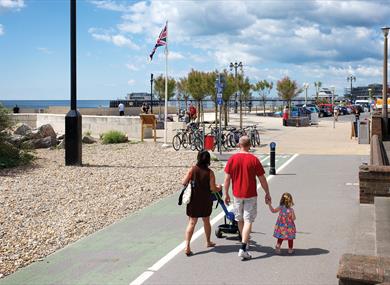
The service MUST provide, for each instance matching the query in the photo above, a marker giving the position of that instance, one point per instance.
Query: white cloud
(110, 5)
(131, 67)
(172, 55)
(1, 30)
(118, 39)
(131, 82)
(11, 4)
(44, 50)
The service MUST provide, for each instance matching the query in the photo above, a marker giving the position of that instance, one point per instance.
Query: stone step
(382, 223)
(364, 241)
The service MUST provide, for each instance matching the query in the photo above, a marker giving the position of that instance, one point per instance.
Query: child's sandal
(290, 251)
(277, 249)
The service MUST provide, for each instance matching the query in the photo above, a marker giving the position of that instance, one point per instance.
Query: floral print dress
(285, 226)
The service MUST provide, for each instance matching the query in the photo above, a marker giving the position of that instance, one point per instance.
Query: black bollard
(272, 170)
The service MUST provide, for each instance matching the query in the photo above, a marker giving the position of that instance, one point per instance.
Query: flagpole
(166, 91)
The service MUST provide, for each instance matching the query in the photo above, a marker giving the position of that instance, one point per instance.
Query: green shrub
(114, 137)
(10, 155)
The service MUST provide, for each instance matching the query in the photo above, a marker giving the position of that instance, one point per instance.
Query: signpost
(219, 88)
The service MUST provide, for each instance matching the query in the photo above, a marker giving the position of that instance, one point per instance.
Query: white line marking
(164, 260)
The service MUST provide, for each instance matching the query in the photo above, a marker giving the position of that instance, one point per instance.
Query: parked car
(326, 110)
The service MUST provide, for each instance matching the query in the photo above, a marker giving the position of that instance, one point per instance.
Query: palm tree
(159, 88)
(317, 85)
(288, 89)
(264, 88)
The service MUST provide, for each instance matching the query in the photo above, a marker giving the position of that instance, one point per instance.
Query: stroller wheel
(218, 233)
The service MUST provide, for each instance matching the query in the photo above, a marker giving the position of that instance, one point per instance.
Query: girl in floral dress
(285, 226)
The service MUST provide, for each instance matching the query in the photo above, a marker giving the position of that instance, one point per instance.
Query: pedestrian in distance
(285, 226)
(192, 112)
(285, 115)
(16, 109)
(242, 169)
(144, 108)
(121, 109)
(336, 113)
(200, 205)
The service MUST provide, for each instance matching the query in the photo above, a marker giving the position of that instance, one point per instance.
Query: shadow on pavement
(267, 251)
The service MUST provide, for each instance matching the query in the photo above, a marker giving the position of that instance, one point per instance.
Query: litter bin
(209, 142)
(364, 133)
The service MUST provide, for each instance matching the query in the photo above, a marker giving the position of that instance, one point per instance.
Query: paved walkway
(326, 197)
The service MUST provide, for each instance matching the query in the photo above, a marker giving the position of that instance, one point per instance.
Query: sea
(42, 104)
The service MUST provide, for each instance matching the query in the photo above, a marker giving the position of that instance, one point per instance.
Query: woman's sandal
(210, 244)
(188, 253)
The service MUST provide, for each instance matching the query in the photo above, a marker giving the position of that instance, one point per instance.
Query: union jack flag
(161, 41)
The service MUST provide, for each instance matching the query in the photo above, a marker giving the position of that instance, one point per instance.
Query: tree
(288, 89)
(210, 81)
(264, 88)
(197, 87)
(159, 88)
(317, 85)
(182, 89)
(228, 91)
(244, 87)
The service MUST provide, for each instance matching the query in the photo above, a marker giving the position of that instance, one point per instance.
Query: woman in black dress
(200, 205)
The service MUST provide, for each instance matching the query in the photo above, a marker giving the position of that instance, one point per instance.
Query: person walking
(121, 109)
(242, 169)
(285, 115)
(200, 205)
(285, 226)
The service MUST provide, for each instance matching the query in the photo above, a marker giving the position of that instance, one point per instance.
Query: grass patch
(112, 137)
(88, 133)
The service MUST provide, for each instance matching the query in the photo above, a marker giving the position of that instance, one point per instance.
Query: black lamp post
(235, 66)
(351, 78)
(73, 117)
(151, 93)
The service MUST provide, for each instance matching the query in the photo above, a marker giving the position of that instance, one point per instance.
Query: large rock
(22, 129)
(16, 140)
(89, 140)
(47, 131)
(39, 143)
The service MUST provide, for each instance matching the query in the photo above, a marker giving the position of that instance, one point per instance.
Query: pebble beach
(45, 206)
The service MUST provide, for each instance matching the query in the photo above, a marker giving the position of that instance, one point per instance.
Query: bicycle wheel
(257, 137)
(184, 141)
(176, 142)
(232, 140)
(198, 143)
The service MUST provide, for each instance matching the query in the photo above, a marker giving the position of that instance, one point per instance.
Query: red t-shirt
(243, 169)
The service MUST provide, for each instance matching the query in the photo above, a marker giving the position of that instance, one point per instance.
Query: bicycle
(180, 139)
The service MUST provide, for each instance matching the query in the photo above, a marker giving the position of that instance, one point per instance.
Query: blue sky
(307, 40)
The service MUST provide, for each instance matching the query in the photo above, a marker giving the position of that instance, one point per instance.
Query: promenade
(318, 165)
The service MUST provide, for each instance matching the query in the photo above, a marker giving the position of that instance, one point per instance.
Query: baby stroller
(230, 225)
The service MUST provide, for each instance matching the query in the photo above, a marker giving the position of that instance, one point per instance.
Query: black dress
(200, 204)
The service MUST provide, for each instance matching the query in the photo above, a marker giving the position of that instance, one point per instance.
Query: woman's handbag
(185, 195)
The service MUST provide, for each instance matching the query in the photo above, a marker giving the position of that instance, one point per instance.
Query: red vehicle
(326, 110)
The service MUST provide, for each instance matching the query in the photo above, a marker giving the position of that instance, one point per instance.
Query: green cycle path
(124, 250)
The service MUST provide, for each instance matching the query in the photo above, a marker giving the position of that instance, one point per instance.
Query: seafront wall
(131, 125)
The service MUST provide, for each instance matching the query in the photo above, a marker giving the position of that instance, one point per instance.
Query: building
(326, 93)
(363, 92)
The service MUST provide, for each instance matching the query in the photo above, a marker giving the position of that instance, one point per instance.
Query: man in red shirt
(192, 112)
(242, 169)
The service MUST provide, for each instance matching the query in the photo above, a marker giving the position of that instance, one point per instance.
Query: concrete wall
(374, 180)
(95, 124)
(104, 111)
(28, 119)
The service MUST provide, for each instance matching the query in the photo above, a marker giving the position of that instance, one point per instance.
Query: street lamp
(235, 66)
(73, 117)
(351, 78)
(385, 31)
(151, 93)
(305, 86)
(333, 107)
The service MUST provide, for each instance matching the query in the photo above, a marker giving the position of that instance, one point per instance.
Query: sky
(308, 41)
